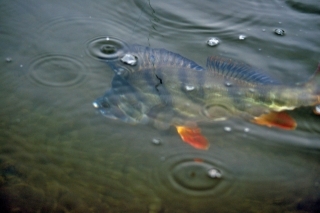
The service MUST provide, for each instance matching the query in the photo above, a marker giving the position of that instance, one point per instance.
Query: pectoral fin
(193, 136)
(276, 119)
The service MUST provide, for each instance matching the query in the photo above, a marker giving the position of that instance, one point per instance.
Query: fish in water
(162, 88)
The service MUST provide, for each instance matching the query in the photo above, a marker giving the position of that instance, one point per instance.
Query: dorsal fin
(237, 70)
(160, 56)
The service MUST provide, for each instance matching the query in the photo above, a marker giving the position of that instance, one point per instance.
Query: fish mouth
(105, 109)
(115, 112)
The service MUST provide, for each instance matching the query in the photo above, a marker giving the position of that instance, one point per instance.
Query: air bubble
(189, 87)
(228, 84)
(214, 173)
(279, 32)
(95, 105)
(213, 42)
(8, 59)
(227, 129)
(129, 59)
(156, 141)
(316, 110)
(246, 129)
(242, 37)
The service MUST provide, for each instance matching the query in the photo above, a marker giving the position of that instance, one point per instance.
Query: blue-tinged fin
(238, 70)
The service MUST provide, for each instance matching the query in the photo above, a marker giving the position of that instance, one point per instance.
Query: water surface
(57, 154)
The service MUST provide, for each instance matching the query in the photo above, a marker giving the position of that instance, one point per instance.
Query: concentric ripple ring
(56, 71)
(195, 176)
(106, 48)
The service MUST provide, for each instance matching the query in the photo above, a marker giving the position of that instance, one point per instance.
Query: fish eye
(105, 104)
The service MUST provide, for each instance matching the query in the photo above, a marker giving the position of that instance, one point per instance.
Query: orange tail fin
(276, 119)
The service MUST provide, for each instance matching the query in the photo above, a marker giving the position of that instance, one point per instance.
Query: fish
(157, 87)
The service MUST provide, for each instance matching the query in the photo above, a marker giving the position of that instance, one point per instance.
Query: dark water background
(57, 154)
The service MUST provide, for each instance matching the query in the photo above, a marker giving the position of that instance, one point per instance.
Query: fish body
(166, 89)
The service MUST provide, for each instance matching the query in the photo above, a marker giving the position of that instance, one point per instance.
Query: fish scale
(166, 89)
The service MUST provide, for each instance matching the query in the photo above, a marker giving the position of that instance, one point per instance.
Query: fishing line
(134, 28)
(152, 59)
(153, 26)
(153, 18)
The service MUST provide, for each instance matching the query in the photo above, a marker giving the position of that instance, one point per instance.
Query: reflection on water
(58, 155)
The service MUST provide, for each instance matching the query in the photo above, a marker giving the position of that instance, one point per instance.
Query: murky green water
(57, 154)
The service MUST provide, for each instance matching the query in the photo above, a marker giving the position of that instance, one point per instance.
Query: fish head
(107, 108)
(120, 107)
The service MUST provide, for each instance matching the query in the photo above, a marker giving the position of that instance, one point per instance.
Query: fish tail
(317, 80)
(313, 85)
(316, 75)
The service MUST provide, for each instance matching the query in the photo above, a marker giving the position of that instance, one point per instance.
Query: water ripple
(56, 71)
(305, 6)
(191, 175)
(169, 19)
(72, 34)
(106, 48)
